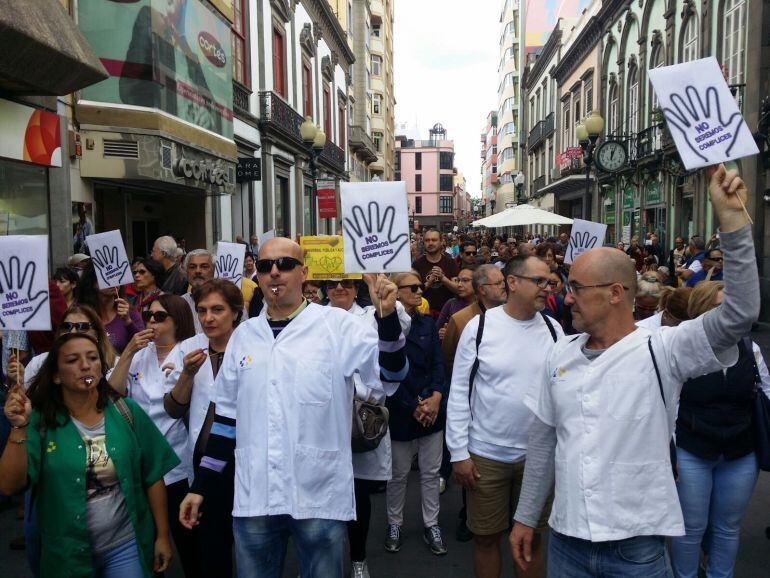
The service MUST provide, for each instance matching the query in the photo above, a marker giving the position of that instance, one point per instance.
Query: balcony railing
(649, 142)
(537, 184)
(278, 116)
(241, 98)
(542, 130)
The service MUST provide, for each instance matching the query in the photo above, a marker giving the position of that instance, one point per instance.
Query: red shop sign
(327, 200)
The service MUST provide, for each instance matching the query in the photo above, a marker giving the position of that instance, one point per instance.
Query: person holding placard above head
(120, 322)
(141, 375)
(284, 396)
(164, 252)
(148, 277)
(96, 464)
(605, 417)
(189, 388)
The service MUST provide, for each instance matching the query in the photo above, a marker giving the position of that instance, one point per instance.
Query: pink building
(427, 167)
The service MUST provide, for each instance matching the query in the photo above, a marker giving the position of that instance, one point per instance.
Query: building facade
(489, 177)
(427, 168)
(381, 94)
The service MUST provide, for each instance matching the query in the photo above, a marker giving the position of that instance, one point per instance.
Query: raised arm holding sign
(24, 283)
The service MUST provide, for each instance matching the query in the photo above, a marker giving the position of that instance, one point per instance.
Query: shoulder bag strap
(550, 327)
(124, 411)
(750, 348)
(671, 444)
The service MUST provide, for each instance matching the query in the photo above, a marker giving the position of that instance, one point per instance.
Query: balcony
(542, 130)
(361, 144)
(278, 118)
(570, 162)
(241, 99)
(649, 142)
(537, 184)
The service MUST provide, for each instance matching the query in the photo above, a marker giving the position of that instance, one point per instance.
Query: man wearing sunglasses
(712, 268)
(605, 417)
(284, 398)
(488, 425)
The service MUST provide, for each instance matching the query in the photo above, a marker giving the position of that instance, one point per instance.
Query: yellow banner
(325, 258)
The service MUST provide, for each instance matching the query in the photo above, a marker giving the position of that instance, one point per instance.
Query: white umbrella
(522, 215)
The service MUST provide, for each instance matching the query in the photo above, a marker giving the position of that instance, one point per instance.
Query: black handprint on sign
(581, 242)
(708, 120)
(16, 287)
(376, 231)
(108, 265)
(229, 267)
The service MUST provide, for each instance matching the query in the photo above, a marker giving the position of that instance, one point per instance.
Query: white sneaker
(360, 570)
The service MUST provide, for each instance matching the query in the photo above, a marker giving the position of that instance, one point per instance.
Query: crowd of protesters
(607, 402)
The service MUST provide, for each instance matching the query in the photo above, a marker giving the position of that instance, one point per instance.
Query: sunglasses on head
(159, 316)
(80, 326)
(344, 283)
(414, 288)
(282, 263)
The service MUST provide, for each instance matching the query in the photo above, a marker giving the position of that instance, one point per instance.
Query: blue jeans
(119, 562)
(260, 546)
(714, 494)
(642, 556)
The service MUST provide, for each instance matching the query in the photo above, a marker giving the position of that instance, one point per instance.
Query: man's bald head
(280, 247)
(605, 265)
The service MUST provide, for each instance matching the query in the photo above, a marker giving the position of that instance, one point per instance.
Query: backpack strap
(550, 327)
(475, 368)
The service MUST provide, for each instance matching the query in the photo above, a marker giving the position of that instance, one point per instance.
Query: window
(733, 40)
(446, 160)
(690, 44)
(350, 19)
(418, 204)
(398, 157)
(576, 113)
(508, 104)
(376, 65)
(307, 89)
(308, 205)
(239, 43)
(508, 128)
(614, 109)
(418, 161)
(377, 139)
(327, 111)
(418, 183)
(445, 204)
(341, 125)
(656, 61)
(588, 85)
(633, 100)
(532, 115)
(508, 80)
(377, 103)
(445, 183)
(376, 30)
(506, 155)
(565, 124)
(279, 62)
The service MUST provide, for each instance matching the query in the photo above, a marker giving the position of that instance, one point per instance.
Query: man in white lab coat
(284, 398)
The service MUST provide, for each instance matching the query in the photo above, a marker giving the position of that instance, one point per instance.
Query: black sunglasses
(344, 283)
(470, 253)
(413, 288)
(159, 316)
(80, 326)
(283, 263)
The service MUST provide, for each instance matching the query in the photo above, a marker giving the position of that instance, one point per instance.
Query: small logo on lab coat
(559, 372)
(135, 376)
(245, 361)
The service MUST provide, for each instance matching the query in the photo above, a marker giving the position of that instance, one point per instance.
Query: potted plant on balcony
(658, 118)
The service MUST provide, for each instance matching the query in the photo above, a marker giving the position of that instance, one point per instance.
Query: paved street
(415, 561)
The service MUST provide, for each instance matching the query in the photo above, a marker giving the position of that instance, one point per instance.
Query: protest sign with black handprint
(24, 283)
(229, 262)
(110, 259)
(701, 113)
(376, 226)
(584, 235)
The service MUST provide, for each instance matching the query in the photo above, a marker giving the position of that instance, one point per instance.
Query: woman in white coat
(373, 468)
(141, 375)
(189, 392)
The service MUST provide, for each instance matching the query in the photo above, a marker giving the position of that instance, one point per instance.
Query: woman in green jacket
(95, 462)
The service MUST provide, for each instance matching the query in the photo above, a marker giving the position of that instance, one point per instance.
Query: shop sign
(248, 169)
(201, 170)
(29, 134)
(628, 197)
(569, 158)
(327, 199)
(652, 194)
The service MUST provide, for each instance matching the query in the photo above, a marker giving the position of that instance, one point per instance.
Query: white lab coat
(146, 386)
(292, 400)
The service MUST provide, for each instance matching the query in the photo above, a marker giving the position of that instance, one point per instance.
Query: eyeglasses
(715, 258)
(80, 326)
(283, 263)
(500, 283)
(541, 282)
(464, 280)
(158, 316)
(344, 283)
(140, 272)
(414, 288)
(575, 288)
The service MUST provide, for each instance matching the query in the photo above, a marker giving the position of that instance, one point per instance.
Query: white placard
(229, 263)
(108, 254)
(24, 283)
(376, 223)
(701, 113)
(626, 235)
(584, 235)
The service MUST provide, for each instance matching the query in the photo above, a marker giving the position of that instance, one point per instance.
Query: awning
(43, 51)
(566, 185)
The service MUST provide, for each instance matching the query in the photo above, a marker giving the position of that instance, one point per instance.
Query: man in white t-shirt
(487, 430)
(605, 417)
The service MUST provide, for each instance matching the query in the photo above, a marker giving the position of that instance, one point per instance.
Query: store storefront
(654, 216)
(608, 215)
(630, 216)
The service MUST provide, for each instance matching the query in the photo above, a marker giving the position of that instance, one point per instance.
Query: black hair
(66, 274)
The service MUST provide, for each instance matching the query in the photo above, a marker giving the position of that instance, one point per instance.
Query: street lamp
(587, 133)
(315, 140)
(519, 182)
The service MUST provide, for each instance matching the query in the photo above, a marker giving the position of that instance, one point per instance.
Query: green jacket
(56, 469)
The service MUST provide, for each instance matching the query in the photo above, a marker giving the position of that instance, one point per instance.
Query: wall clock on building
(611, 156)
